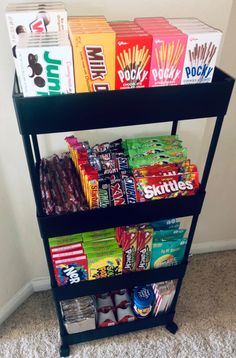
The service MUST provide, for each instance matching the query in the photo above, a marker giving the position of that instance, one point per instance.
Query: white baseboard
(43, 283)
(213, 246)
(35, 285)
(15, 301)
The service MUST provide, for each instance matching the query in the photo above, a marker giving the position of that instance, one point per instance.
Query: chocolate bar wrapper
(117, 193)
(129, 188)
(104, 193)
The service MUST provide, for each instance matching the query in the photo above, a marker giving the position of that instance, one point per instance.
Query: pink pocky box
(168, 53)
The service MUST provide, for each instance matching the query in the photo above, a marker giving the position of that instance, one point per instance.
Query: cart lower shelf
(128, 280)
(165, 319)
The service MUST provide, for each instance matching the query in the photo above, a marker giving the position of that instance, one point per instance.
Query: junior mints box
(45, 70)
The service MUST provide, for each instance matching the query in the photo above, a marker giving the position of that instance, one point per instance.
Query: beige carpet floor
(206, 315)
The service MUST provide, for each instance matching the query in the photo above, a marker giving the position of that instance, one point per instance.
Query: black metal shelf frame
(37, 115)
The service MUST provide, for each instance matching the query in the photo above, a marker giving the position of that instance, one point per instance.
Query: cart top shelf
(40, 115)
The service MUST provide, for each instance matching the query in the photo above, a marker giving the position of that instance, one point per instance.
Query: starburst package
(45, 64)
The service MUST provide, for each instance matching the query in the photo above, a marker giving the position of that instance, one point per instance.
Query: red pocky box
(144, 247)
(133, 56)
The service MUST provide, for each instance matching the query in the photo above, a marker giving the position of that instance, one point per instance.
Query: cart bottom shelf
(139, 324)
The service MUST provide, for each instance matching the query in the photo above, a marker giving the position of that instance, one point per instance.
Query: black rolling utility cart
(41, 115)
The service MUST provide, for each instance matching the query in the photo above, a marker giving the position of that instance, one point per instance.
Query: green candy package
(105, 265)
(137, 142)
(100, 246)
(99, 235)
(64, 240)
(152, 159)
(150, 150)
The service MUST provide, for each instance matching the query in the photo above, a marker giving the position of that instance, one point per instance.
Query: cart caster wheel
(64, 351)
(172, 327)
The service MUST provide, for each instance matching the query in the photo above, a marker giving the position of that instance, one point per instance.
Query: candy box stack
(93, 42)
(70, 263)
(79, 314)
(33, 17)
(133, 55)
(202, 49)
(45, 64)
(168, 51)
(103, 252)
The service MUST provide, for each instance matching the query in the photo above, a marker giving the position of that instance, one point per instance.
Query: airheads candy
(45, 67)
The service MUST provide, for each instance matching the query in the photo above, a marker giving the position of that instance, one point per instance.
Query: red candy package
(129, 244)
(144, 247)
(162, 187)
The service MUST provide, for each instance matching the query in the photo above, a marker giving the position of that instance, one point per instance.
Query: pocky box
(45, 70)
(133, 56)
(201, 55)
(168, 53)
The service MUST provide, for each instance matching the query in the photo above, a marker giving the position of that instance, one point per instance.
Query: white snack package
(45, 70)
(33, 19)
(201, 54)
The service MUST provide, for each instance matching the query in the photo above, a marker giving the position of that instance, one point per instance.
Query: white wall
(20, 242)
